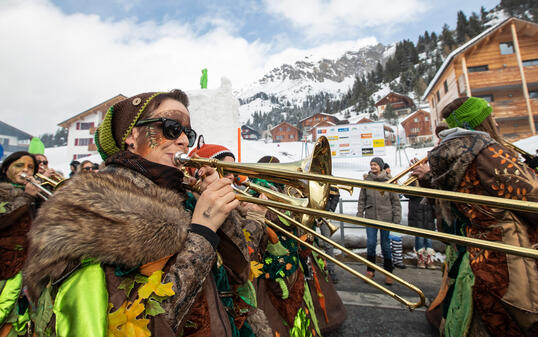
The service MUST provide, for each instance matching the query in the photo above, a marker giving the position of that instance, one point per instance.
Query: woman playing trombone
(492, 289)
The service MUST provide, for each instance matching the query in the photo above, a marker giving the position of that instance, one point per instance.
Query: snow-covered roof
(328, 122)
(284, 123)
(412, 114)
(462, 48)
(319, 113)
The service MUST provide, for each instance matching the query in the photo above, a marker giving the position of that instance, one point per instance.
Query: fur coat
(16, 212)
(120, 218)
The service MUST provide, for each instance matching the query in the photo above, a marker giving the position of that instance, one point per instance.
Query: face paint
(23, 164)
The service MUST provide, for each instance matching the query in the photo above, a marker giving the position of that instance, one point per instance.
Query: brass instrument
(54, 181)
(294, 174)
(411, 179)
(43, 192)
(342, 265)
(301, 174)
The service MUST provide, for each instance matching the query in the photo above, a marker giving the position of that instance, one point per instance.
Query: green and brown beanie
(119, 121)
(470, 114)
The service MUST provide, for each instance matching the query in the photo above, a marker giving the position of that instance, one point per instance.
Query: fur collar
(116, 217)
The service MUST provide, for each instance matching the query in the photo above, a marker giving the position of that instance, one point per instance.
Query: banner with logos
(354, 140)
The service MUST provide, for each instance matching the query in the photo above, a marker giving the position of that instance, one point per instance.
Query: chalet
(390, 137)
(248, 132)
(285, 132)
(418, 127)
(322, 123)
(307, 123)
(499, 65)
(13, 139)
(401, 104)
(81, 128)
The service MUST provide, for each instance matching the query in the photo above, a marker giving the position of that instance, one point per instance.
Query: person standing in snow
(381, 206)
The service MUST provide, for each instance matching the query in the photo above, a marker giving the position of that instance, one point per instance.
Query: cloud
(55, 65)
(321, 18)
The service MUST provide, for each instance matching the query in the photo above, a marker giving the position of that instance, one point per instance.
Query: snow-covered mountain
(292, 84)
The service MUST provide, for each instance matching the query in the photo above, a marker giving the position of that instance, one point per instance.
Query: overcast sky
(61, 57)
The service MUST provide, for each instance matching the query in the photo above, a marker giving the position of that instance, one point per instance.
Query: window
(280, 129)
(438, 96)
(426, 118)
(83, 141)
(78, 156)
(84, 126)
(292, 136)
(528, 63)
(476, 69)
(289, 129)
(446, 86)
(488, 98)
(533, 94)
(506, 48)
(415, 120)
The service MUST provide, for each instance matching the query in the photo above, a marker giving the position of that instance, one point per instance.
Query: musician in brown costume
(119, 252)
(473, 158)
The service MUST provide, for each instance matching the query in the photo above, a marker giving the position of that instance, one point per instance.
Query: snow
(528, 144)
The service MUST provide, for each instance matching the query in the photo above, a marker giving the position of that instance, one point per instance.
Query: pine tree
(461, 28)
(447, 39)
(475, 26)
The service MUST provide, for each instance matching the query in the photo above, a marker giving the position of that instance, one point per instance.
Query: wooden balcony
(502, 77)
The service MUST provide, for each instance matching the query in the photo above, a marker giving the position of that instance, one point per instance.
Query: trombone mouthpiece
(181, 158)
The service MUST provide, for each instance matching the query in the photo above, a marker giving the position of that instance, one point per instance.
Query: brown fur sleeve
(188, 273)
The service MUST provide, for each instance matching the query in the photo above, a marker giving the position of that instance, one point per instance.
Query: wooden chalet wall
(500, 82)
(285, 132)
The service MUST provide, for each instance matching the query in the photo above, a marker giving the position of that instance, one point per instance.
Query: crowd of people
(143, 246)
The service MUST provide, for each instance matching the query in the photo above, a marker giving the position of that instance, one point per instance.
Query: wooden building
(248, 132)
(417, 127)
(82, 127)
(285, 132)
(307, 123)
(401, 104)
(499, 65)
(315, 127)
(13, 139)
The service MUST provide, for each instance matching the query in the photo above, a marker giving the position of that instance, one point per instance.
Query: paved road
(372, 313)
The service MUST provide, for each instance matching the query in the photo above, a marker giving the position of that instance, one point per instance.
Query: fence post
(341, 209)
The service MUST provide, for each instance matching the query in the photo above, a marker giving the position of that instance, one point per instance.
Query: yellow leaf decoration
(123, 322)
(247, 235)
(154, 285)
(255, 270)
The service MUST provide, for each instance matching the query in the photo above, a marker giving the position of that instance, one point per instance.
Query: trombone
(299, 173)
(272, 194)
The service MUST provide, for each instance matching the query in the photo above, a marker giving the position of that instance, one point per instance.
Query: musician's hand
(31, 189)
(420, 170)
(208, 176)
(414, 161)
(214, 204)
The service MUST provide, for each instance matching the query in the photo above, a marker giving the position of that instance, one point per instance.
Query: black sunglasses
(172, 129)
(42, 162)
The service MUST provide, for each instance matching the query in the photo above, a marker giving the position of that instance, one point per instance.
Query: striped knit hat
(470, 114)
(118, 123)
(212, 151)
